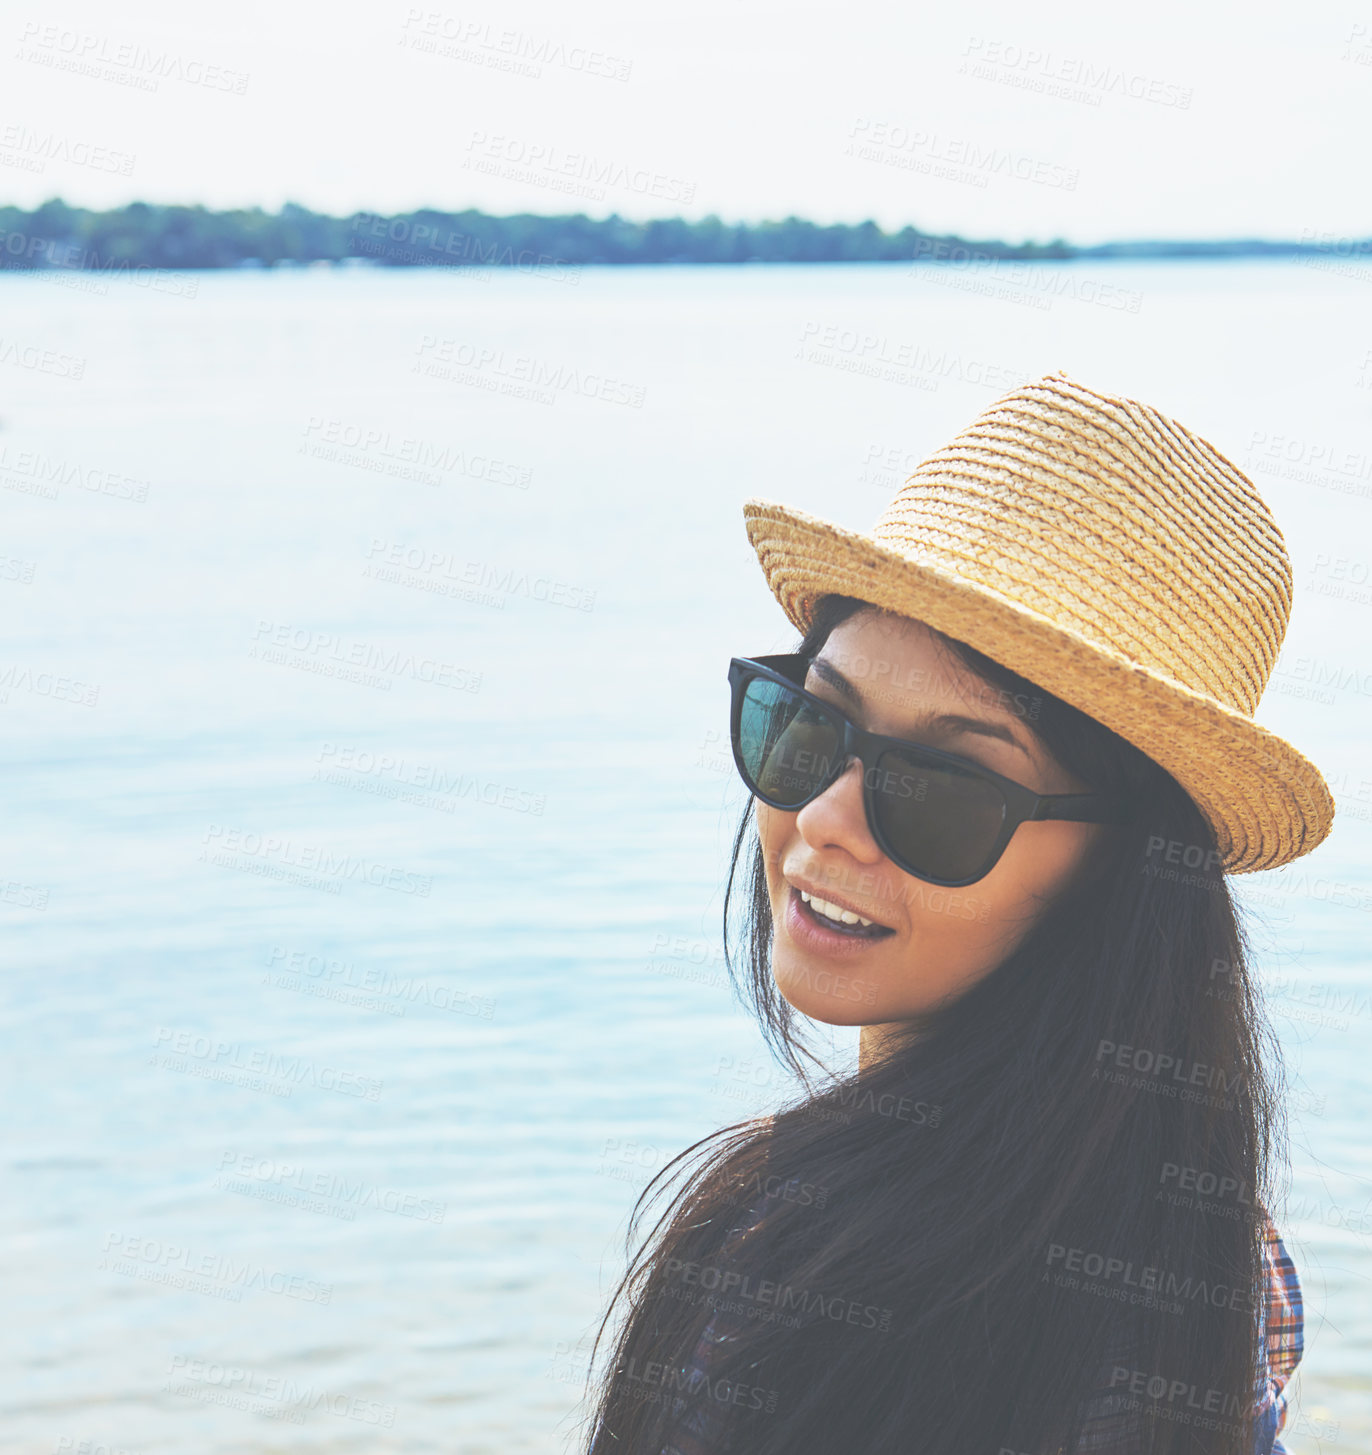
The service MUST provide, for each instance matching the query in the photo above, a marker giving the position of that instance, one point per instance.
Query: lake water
(368, 808)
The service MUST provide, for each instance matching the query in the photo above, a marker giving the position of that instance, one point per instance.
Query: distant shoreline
(146, 236)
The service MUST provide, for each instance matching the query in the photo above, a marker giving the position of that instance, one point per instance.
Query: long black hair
(1048, 1205)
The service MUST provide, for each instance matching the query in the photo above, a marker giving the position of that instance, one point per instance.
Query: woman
(996, 790)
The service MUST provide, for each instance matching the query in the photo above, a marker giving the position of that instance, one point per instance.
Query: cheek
(773, 827)
(836, 995)
(1041, 861)
(1054, 854)
(989, 916)
(954, 930)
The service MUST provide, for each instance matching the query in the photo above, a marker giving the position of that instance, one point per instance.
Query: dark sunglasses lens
(786, 745)
(941, 820)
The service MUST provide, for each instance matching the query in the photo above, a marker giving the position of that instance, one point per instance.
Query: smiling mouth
(842, 921)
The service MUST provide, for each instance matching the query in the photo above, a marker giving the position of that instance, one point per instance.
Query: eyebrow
(936, 722)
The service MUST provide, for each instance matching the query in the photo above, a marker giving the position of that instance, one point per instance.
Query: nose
(838, 817)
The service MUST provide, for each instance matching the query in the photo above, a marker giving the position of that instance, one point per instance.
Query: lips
(811, 934)
(831, 908)
(858, 932)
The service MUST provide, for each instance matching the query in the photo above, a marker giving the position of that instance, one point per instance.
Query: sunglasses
(942, 818)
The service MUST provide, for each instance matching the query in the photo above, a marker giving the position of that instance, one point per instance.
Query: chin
(841, 996)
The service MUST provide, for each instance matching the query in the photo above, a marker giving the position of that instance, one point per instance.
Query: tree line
(147, 235)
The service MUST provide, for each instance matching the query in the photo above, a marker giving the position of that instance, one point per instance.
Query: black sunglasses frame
(1022, 804)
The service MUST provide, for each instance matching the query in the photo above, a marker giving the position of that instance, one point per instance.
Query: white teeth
(832, 911)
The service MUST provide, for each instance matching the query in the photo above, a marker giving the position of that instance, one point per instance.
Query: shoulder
(1283, 1303)
(758, 1192)
(1283, 1334)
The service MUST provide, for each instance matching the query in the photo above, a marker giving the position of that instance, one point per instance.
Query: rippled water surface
(368, 810)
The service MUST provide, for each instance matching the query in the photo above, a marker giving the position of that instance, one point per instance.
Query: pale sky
(1179, 119)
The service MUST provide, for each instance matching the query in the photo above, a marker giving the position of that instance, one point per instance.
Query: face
(941, 941)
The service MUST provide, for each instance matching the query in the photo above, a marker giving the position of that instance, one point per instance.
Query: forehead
(906, 682)
(898, 661)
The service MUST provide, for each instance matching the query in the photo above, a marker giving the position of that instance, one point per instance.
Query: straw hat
(1111, 556)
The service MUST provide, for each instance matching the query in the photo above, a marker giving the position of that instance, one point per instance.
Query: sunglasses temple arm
(1082, 808)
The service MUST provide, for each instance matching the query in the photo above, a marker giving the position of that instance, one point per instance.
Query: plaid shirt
(1284, 1338)
(1281, 1340)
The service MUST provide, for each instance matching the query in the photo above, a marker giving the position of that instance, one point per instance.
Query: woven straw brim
(1267, 802)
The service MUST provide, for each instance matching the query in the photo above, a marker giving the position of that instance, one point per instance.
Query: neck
(875, 1041)
(871, 1041)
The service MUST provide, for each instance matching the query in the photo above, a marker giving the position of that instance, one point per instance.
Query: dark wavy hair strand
(1035, 1154)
